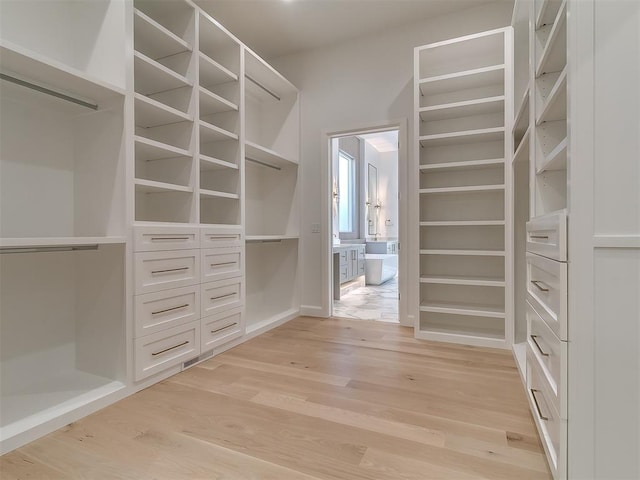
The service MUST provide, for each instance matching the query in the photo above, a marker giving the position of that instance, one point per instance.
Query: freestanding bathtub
(380, 268)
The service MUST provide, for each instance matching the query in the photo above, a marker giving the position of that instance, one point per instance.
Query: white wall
(355, 84)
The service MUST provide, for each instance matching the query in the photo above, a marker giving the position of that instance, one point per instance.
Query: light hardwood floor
(313, 399)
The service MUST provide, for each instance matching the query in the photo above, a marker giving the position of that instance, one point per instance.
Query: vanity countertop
(346, 246)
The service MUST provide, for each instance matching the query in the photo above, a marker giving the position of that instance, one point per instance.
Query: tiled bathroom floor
(371, 302)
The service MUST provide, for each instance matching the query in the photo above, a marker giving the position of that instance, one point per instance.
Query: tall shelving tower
(462, 96)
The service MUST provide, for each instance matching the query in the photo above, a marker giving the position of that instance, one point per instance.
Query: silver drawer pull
(222, 264)
(537, 284)
(535, 400)
(223, 328)
(155, 272)
(223, 296)
(156, 239)
(170, 348)
(534, 337)
(540, 237)
(213, 237)
(170, 309)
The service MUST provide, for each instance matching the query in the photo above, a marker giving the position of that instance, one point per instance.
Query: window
(347, 188)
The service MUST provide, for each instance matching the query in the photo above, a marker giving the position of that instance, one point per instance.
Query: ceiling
(382, 141)
(280, 27)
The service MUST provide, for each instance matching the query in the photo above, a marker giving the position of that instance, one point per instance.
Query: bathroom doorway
(365, 218)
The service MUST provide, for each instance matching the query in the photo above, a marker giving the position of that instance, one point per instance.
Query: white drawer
(149, 239)
(552, 429)
(169, 308)
(156, 271)
(551, 355)
(547, 235)
(547, 291)
(159, 351)
(221, 263)
(221, 295)
(220, 237)
(221, 328)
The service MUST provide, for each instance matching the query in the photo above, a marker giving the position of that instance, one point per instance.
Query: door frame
(403, 215)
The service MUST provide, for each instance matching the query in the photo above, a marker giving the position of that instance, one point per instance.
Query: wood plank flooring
(313, 399)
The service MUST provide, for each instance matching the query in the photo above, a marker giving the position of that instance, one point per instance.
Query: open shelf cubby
(63, 333)
(62, 162)
(271, 195)
(272, 109)
(272, 281)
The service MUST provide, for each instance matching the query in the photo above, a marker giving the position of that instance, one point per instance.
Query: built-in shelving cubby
(272, 282)
(62, 150)
(63, 227)
(461, 146)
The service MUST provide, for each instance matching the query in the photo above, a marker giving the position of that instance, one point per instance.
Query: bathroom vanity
(348, 265)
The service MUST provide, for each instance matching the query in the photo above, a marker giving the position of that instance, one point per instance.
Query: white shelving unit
(62, 218)
(539, 206)
(521, 170)
(272, 196)
(462, 108)
(222, 167)
(165, 142)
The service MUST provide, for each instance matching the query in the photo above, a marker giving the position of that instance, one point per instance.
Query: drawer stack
(189, 294)
(547, 332)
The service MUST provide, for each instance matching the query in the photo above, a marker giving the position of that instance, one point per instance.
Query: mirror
(372, 200)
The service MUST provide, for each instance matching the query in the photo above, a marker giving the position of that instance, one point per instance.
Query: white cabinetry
(462, 96)
(577, 264)
(216, 149)
(63, 228)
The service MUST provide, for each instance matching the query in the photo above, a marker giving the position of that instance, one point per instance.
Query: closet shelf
(471, 253)
(210, 163)
(465, 223)
(151, 186)
(553, 57)
(59, 241)
(211, 103)
(212, 73)
(493, 134)
(555, 104)
(471, 188)
(264, 82)
(522, 113)
(155, 40)
(463, 309)
(556, 160)
(151, 113)
(153, 77)
(265, 155)
(211, 133)
(467, 108)
(467, 165)
(546, 14)
(34, 68)
(460, 280)
(215, 194)
(149, 150)
(481, 336)
(270, 238)
(522, 151)
(464, 80)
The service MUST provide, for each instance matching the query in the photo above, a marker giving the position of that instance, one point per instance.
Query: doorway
(364, 225)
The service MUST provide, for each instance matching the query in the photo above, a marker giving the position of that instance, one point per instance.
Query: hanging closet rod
(71, 248)
(263, 87)
(264, 164)
(53, 93)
